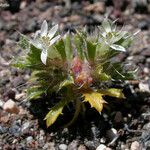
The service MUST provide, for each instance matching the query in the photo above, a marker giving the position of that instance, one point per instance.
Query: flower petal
(53, 31)
(37, 34)
(54, 40)
(36, 44)
(118, 47)
(106, 25)
(44, 56)
(44, 28)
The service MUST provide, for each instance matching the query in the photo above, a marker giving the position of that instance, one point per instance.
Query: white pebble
(135, 145)
(11, 107)
(62, 147)
(101, 147)
(144, 87)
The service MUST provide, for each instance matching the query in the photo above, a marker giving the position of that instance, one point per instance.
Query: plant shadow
(91, 125)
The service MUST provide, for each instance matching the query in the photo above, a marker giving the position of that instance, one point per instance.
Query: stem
(77, 111)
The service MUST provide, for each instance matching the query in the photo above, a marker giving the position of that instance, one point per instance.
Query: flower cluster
(44, 39)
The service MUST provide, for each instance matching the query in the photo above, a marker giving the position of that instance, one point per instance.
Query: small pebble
(112, 133)
(11, 107)
(82, 147)
(143, 25)
(73, 145)
(101, 147)
(1, 103)
(25, 126)
(107, 148)
(29, 139)
(19, 96)
(144, 87)
(10, 94)
(63, 147)
(118, 117)
(135, 145)
(146, 70)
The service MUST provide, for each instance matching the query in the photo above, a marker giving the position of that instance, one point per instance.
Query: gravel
(27, 130)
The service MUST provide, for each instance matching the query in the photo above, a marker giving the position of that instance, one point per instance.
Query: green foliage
(91, 49)
(55, 112)
(68, 66)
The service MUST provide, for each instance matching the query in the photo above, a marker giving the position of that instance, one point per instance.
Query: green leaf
(91, 48)
(106, 25)
(104, 77)
(68, 47)
(113, 92)
(35, 92)
(78, 40)
(24, 42)
(102, 51)
(34, 55)
(19, 63)
(66, 82)
(126, 42)
(95, 99)
(118, 37)
(54, 112)
(53, 54)
(60, 46)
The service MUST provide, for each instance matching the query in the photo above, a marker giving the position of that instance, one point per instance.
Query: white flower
(43, 39)
(110, 36)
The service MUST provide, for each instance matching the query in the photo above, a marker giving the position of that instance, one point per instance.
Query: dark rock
(146, 52)
(3, 130)
(138, 59)
(140, 6)
(15, 130)
(25, 127)
(90, 145)
(18, 81)
(45, 6)
(4, 81)
(30, 26)
(95, 131)
(14, 5)
(73, 145)
(118, 117)
(1, 24)
(143, 25)
(145, 137)
(10, 94)
(11, 25)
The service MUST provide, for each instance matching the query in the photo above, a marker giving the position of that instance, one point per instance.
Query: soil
(119, 125)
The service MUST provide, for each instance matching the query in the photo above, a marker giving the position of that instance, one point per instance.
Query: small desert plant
(74, 66)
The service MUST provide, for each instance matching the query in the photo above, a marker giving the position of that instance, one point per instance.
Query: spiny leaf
(55, 112)
(19, 63)
(95, 99)
(113, 92)
(91, 48)
(35, 92)
(53, 54)
(61, 48)
(106, 25)
(78, 40)
(34, 55)
(66, 82)
(104, 77)
(68, 47)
